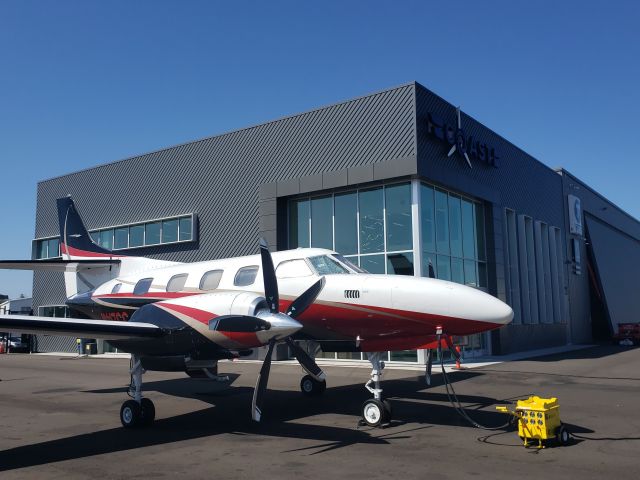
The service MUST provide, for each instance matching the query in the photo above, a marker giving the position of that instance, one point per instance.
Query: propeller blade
(468, 161)
(459, 122)
(427, 373)
(300, 304)
(238, 323)
(452, 151)
(261, 384)
(269, 277)
(308, 363)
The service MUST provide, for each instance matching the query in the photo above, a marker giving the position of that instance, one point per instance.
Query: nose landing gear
(138, 411)
(376, 412)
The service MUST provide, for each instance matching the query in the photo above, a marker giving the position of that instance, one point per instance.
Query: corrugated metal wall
(218, 178)
(521, 183)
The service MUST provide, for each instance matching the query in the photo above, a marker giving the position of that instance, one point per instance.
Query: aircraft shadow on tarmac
(230, 414)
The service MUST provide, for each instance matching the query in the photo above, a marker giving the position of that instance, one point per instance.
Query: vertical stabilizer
(75, 241)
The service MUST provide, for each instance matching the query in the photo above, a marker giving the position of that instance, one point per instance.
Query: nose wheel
(376, 412)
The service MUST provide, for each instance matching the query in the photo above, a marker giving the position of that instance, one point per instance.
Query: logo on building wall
(575, 215)
(467, 146)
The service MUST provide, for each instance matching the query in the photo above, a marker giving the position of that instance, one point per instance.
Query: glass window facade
(155, 232)
(170, 231)
(47, 248)
(374, 229)
(371, 227)
(453, 239)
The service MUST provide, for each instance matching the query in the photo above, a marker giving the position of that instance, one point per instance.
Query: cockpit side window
(293, 269)
(325, 265)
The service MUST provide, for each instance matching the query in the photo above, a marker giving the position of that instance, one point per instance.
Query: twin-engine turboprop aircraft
(175, 316)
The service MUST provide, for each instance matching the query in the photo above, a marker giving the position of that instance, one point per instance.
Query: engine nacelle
(223, 303)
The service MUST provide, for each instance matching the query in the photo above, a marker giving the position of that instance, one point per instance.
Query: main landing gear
(310, 386)
(376, 411)
(139, 411)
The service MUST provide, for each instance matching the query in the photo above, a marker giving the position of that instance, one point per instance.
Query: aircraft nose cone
(500, 311)
(468, 302)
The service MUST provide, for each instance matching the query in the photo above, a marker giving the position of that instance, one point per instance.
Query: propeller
(261, 385)
(274, 316)
(269, 278)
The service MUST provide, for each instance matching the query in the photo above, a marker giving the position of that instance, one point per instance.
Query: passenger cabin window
(210, 280)
(142, 286)
(293, 269)
(116, 288)
(325, 265)
(246, 276)
(176, 283)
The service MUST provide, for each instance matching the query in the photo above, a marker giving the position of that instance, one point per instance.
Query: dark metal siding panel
(218, 178)
(48, 343)
(617, 262)
(521, 182)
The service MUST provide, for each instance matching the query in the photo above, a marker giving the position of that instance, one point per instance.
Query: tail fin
(76, 244)
(75, 241)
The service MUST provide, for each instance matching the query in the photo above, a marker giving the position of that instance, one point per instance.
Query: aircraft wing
(79, 327)
(57, 265)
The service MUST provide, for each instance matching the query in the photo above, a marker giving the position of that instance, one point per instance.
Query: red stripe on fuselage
(201, 316)
(359, 320)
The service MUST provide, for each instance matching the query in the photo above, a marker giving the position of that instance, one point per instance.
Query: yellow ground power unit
(539, 419)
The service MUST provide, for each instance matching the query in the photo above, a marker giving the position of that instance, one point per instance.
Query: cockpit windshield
(325, 265)
(348, 263)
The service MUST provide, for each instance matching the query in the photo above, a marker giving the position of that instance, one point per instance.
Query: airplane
(173, 316)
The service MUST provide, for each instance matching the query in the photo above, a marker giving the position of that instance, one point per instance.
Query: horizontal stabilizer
(78, 327)
(57, 265)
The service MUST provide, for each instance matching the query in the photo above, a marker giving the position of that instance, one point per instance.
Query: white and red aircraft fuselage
(172, 315)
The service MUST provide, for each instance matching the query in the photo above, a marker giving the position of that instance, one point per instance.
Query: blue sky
(88, 82)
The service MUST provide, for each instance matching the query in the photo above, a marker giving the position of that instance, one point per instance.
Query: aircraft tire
(374, 413)
(130, 414)
(148, 412)
(311, 387)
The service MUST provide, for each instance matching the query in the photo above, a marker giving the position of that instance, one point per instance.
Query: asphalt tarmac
(59, 419)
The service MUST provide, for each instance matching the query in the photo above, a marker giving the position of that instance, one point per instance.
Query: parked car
(18, 343)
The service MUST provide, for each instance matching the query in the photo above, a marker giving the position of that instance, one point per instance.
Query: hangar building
(378, 179)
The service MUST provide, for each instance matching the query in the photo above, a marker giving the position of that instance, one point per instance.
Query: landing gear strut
(138, 411)
(309, 385)
(376, 411)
